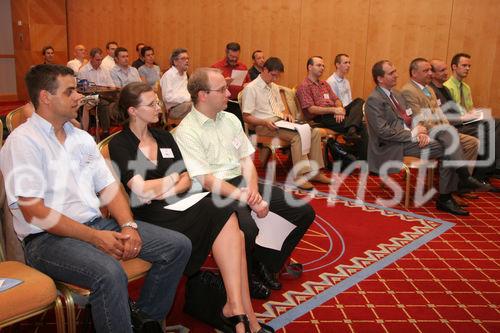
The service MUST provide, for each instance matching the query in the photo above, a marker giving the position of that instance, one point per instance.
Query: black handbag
(141, 323)
(205, 297)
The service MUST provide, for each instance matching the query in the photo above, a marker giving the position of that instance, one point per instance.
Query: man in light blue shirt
(122, 73)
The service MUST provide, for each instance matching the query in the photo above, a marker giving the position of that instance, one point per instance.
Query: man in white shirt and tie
(174, 85)
(262, 107)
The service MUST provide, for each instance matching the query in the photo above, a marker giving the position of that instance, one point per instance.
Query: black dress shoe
(267, 277)
(258, 289)
(451, 207)
(473, 184)
(265, 329)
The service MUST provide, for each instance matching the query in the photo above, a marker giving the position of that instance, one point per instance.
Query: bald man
(80, 52)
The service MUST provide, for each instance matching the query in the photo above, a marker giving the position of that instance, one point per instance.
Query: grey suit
(391, 141)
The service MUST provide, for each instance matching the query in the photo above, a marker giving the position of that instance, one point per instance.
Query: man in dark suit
(389, 123)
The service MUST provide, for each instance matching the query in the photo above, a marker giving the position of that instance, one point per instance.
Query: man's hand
(261, 209)
(420, 129)
(339, 118)
(251, 196)
(110, 242)
(269, 124)
(229, 80)
(132, 245)
(423, 140)
(339, 114)
(288, 117)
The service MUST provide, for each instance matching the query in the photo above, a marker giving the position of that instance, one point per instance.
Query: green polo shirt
(212, 146)
(453, 86)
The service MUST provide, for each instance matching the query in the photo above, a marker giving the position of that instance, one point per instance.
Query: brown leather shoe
(321, 178)
(303, 184)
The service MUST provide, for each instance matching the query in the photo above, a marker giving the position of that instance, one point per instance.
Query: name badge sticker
(409, 112)
(236, 143)
(166, 153)
(439, 102)
(326, 96)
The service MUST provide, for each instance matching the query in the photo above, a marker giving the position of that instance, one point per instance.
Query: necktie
(426, 92)
(462, 97)
(274, 103)
(400, 110)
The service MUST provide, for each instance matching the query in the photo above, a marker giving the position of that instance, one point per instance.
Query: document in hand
(480, 116)
(273, 230)
(238, 77)
(304, 132)
(187, 202)
(6, 283)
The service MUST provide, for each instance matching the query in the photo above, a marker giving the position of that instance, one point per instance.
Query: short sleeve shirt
(66, 176)
(312, 93)
(212, 146)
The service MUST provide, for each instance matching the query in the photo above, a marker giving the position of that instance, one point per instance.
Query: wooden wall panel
(368, 30)
(475, 29)
(331, 27)
(401, 30)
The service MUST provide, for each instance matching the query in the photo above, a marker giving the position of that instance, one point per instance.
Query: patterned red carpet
(374, 269)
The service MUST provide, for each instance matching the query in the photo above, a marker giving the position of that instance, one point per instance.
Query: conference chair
(37, 293)
(134, 268)
(16, 117)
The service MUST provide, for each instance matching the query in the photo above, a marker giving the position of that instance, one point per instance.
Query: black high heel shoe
(231, 322)
(265, 329)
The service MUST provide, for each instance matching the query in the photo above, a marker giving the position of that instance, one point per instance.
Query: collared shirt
(212, 146)
(174, 87)
(75, 65)
(121, 77)
(453, 86)
(66, 176)
(312, 93)
(99, 76)
(341, 87)
(262, 100)
(227, 70)
(108, 63)
(150, 74)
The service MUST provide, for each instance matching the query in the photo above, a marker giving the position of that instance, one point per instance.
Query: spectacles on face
(221, 90)
(154, 104)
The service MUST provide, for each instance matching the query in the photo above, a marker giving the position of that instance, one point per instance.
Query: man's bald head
(439, 71)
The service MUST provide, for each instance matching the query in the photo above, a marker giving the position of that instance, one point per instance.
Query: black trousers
(234, 108)
(301, 216)
(474, 129)
(353, 118)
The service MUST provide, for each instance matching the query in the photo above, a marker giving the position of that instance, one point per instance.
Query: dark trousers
(234, 108)
(448, 177)
(301, 216)
(473, 129)
(353, 118)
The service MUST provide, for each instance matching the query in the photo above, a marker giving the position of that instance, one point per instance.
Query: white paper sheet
(480, 117)
(187, 202)
(273, 230)
(304, 132)
(238, 77)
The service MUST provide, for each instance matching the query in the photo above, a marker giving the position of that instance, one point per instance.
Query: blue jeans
(80, 263)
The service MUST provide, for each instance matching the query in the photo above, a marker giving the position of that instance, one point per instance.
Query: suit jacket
(423, 107)
(386, 129)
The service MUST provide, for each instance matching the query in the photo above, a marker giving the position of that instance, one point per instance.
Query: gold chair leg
(70, 307)
(407, 186)
(59, 312)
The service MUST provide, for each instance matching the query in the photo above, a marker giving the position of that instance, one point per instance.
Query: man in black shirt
(139, 61)
(258, 63)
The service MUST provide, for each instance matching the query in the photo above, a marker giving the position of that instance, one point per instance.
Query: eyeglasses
(221, 90)
(153, 104)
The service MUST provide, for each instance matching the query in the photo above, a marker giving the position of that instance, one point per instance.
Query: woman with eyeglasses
(152, 171)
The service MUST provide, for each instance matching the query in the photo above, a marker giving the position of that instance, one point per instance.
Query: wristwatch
(130, 224)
